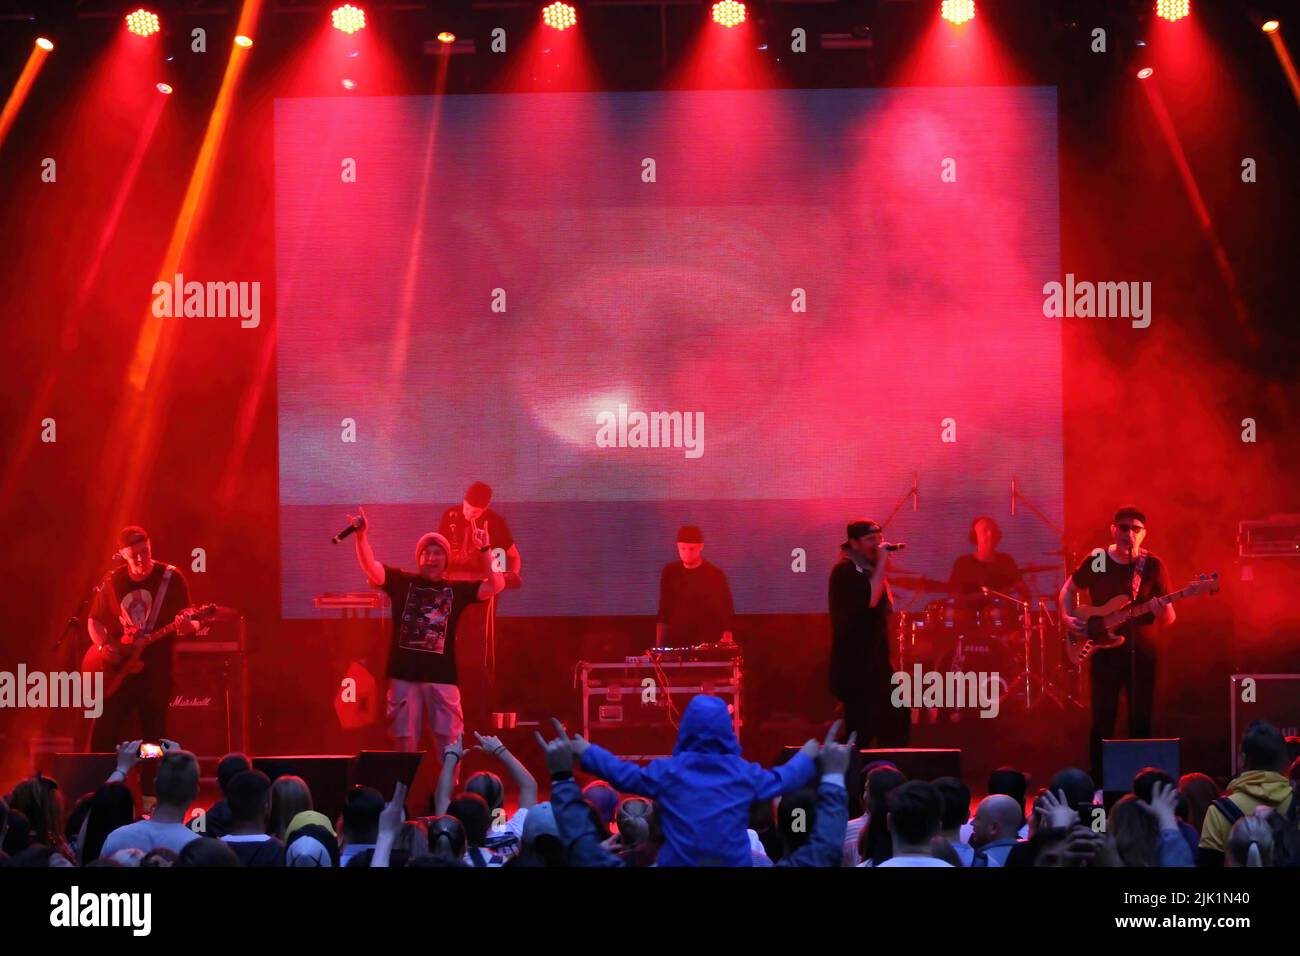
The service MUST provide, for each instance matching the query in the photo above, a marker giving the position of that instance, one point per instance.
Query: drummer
(987, 567)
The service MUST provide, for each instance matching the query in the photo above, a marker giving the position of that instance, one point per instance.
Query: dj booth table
(632, 707)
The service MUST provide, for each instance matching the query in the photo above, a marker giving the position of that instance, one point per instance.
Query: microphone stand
(77, 622)
(912, 493)
(1067, 560)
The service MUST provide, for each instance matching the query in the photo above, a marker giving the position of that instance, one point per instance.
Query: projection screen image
(765, 313)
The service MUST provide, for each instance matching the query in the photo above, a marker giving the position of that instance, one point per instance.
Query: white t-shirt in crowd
(146, 835)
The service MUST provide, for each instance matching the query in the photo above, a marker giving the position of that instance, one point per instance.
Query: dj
(694, 598)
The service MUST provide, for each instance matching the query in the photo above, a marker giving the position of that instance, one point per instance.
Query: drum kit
(988, 631)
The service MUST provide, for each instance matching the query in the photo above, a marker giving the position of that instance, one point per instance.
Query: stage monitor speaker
(1122, 759)
(78, 774)
(382, 769)
(326, 775)
(1271, 697)
(208, 713)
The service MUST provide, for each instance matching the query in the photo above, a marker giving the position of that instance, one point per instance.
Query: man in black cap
(458, 525)
(141, 596)
(694, 598)
(860, 605)
(1124, 568)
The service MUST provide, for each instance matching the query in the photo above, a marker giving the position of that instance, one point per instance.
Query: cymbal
(917, 582)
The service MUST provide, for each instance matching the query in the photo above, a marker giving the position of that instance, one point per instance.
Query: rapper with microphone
(860, 671)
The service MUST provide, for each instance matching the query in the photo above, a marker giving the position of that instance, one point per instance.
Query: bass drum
(984, 656)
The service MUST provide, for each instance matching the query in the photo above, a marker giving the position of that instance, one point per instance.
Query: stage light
(242, 40)
(559, 16)
(957, 12)
(1172, 10)
(348, 18)
(44, 44)
(142, 23)
(164, 88)
(1270, 26)
(728, 13)
(1145, 72)
(349, 84)
(446, 37)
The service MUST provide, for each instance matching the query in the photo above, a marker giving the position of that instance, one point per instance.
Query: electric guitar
(119, 660)
(1104, 621)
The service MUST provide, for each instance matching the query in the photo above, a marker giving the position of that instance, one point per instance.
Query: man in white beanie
(422, 684)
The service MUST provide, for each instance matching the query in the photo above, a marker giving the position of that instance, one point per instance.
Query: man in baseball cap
(138, 597)
(860, 605)
(695, 604)
(422, 681)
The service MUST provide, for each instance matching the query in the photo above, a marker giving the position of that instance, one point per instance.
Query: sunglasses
(1131, 527)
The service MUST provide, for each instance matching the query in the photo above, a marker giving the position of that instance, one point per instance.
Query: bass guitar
(1105, 621)
(120, 659)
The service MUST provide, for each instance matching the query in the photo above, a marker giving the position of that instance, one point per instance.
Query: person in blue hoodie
(703, 791)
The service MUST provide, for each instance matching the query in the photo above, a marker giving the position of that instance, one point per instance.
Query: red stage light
(957, 12)
(349, 84)
(1173, 9)
(446, 37)
(142, 23)
(1145, 72)
(1270, 26)
(559, 16)
(44, 44)
(729, 13)
(164, 88)
(242, 40)
(348, 18)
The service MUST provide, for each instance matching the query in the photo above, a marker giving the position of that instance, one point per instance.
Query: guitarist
(142, 595)
(1127, 569)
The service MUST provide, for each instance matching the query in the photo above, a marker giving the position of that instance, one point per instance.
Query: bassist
(142, 595)
(1125, 568)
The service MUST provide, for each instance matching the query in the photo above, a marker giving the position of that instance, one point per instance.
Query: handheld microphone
(892, 547)
(350, 529)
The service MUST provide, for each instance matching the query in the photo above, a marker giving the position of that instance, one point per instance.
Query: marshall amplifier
(208, 710)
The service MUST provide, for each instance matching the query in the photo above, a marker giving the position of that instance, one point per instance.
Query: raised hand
(456, 748)
(835, 757)
(490, 744)
(128, 755)
(1056, 811)
(559, 752)
(358, 520)
(393, 815)
(1164, 798)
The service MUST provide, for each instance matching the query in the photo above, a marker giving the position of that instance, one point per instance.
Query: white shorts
(438, 703)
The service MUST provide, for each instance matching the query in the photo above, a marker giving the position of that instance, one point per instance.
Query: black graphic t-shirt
(465, 555)
(123, 601)
(425, 614)
(1116, 579)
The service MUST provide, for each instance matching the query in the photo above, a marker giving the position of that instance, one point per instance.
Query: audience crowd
(703, 806)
